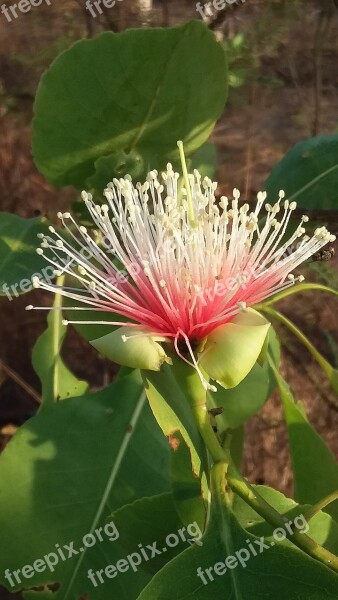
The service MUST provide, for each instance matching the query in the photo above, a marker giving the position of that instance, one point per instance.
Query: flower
(192, 267)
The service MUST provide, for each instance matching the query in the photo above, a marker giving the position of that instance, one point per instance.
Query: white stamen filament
(176, 252)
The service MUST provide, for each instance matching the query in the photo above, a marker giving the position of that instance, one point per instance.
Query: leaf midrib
(16, 245)
(111, 480)
(313, 182)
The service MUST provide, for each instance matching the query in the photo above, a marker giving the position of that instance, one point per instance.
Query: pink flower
(173, 261)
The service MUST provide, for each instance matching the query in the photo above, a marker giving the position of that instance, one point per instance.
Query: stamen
(189, 265)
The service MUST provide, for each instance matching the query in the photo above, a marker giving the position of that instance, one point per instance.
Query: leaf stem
(320, 505)
(303, 287)
(327, 368)
(224, 473)
(200, 412)
(242, 487)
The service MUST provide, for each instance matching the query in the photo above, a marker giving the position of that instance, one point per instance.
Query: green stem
(224, 473)
(320, 505)
(242, 487)
(199, 409)
(327, 368)
(303, 287)
(218, 481)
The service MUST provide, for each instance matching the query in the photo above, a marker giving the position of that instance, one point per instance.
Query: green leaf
(57, 380)
(137, 352)
(66, 470)
(248, 397)
(185, 485)
(231, 350)
(127, 97)
(278, 572)
(314, 466)
(19, 261)
(166, 530)
(205, 160)
(308, 174)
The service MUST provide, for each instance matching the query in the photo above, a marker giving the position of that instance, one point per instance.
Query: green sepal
(133, 348)
(231, 350)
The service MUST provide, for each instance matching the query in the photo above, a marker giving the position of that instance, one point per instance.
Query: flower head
(190, 263)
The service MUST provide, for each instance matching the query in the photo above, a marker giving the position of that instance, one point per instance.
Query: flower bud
(231, 350)
(133, 348)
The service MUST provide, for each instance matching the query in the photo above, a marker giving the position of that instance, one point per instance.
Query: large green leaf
(56, 379)
(314, 466)
(63, 474)
(155, 520)
(121, 101)
(308, 174)
(205, 160)
(18, 258)
(277, 572)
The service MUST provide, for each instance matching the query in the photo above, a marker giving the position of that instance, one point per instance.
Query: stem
(303, 287)
(327, 368)
(210, 439)
(320, 505)
(224, 473)
(243, 488)
(218, 481)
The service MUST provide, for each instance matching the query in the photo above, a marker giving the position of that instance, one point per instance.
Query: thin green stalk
(303, 287)
(320, 505)
(327, 368)
(242, 487)
(211, 441)
(224, 473)
(218, 481)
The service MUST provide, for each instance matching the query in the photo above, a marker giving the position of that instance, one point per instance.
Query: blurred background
(283, 58)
